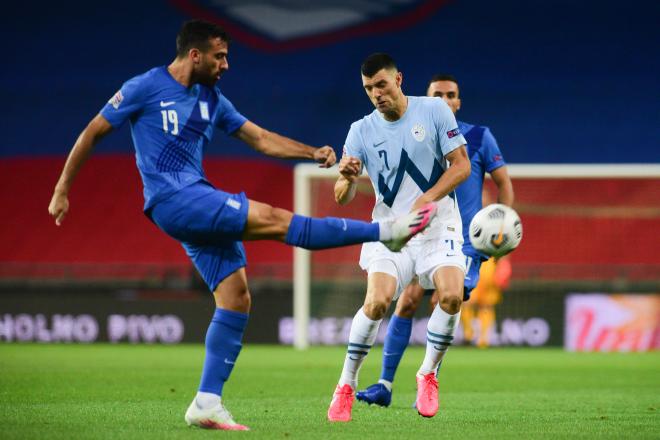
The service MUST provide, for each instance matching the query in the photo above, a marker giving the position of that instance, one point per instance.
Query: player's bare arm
(273, 144)
(346, 185)
(458, 171)
(90, 136)
(502, 180)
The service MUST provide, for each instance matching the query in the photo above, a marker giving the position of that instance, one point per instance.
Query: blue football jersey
(485, 157)
(170, 125)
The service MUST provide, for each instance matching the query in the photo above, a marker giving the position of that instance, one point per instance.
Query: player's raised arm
(458, 171)
(90, 136)
(273, 144)
(346, 185)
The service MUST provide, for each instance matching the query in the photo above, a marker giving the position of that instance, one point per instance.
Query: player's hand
(325, 156)
(59, 206)
(350, 167)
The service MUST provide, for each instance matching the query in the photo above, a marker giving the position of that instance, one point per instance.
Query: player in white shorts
(414, 154)
(440, 245)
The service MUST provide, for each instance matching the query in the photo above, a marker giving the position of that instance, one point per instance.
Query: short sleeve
(449, 135)
(492, 156)
(354, 145)
(128, 101)
(229, 119)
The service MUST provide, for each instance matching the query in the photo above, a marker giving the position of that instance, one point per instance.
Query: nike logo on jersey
(167, 104)
(378, 143)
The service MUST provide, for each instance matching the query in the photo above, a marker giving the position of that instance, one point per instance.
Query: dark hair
(196, 34)
(442, 77)
(376, 62)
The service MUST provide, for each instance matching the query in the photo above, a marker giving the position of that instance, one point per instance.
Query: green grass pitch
(142, 392)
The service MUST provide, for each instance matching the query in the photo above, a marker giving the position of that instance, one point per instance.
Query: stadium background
(557, 82)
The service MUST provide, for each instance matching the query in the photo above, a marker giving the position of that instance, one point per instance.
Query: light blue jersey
(170, 125)
(406, 157)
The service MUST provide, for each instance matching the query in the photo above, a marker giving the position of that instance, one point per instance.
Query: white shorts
(422, 256)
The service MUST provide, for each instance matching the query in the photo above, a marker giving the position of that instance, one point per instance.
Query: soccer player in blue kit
(173, 111)
(485, 157)
(414, 153)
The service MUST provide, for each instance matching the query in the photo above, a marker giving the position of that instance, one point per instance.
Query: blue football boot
(376, 393)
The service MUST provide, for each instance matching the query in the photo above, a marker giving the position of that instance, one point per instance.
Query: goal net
(593, 224)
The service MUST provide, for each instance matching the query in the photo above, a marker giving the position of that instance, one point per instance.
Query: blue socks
(223, 344)
(396, 341)
(324, 233)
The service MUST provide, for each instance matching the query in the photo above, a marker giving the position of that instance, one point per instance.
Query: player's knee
(271, 220)
(235, 299)
(244, 300)
(269, 216)
(375, 308)
(406, 307)
(451, 303)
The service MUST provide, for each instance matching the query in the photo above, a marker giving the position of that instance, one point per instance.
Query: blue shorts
(473, 264)
(209, 224)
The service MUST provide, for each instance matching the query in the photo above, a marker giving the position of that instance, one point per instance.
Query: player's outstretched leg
(406, 227)
(265, 222)
(322, 233)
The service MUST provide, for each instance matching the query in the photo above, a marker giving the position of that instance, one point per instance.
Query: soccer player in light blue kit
(485, 157)
(414, 154)
(173, 111)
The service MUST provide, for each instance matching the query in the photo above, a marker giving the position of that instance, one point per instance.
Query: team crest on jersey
(453, 133)
(418, 132)
(276, 25)
(116, 99)
(204, 110)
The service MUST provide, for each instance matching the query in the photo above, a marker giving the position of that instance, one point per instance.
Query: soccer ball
(496, 230)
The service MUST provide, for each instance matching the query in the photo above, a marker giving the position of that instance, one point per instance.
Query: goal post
(306, 174)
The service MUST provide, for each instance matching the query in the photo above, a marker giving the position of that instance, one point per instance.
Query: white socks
(207, 400)
(439, 336)
(362, 336)
(385, 229)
